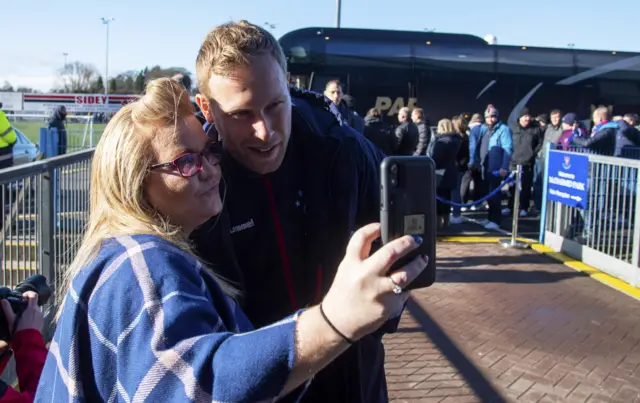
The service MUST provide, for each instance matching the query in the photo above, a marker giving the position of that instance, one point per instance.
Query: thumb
(359, 246)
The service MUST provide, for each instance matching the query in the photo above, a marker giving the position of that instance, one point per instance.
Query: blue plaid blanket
(146, 322)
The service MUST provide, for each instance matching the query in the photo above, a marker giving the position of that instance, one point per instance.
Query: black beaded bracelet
(348, 340)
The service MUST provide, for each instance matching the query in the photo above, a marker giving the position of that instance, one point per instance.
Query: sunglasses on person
(190, 164)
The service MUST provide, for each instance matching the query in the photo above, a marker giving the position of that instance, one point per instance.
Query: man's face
(415, 117)
(630, 121)
(334, 93)
(555, 119)
(596, 118)
(491, 120)
(525, 120)
(251, 109)
(402, 116)
(567, 126)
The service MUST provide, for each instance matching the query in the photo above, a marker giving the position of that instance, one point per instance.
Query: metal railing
(45, 208)
(605, 233)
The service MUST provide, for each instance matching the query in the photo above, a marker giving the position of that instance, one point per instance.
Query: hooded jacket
(527, 143)
(282, 236)
(57, 122)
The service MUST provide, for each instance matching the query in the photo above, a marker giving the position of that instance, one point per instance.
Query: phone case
(408, 207)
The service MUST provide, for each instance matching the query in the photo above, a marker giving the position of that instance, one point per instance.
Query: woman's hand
(361, 297)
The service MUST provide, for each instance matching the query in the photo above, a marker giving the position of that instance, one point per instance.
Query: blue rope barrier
(508, 180)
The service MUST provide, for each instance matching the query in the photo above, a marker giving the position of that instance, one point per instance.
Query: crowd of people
(473, 157)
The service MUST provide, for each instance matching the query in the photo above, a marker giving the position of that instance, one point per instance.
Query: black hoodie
(57, 122)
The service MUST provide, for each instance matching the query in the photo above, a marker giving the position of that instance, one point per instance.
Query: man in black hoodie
(57, 122)
(299, 181)
(527, 138)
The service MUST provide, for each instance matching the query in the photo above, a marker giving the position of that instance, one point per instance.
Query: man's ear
(205, 107)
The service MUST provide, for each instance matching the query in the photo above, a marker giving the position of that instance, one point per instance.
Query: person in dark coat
(527, 138)
(443, 149)
(345, 104)
(299, 181)
(57, 122)
(406, 133)
(377, 131)
(424, 131)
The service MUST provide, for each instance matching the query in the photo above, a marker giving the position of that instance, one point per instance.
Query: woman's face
(187, 201)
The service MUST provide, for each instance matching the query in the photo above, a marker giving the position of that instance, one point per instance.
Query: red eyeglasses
(190, 164)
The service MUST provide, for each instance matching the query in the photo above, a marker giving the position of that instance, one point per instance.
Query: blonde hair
(231, 45)
(445, 126)
(119, 170)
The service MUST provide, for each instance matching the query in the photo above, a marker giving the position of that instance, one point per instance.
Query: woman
(462, 162)
(443, 149)
(144, 320)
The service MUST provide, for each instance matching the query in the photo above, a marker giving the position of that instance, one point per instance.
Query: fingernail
(425, 258)
(417, 239)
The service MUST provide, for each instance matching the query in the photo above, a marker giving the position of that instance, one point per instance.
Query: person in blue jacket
(299, 181)
(491, 147)
(144, 320)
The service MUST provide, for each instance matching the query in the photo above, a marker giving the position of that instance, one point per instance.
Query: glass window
(535, 61)
(454, 57)
(366, 53)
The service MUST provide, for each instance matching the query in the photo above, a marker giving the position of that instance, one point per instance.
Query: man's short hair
(230, 46)
(406, 110)
(334, 81)
(183, 79)
(631, 116)
(419, 112)
(556, 112)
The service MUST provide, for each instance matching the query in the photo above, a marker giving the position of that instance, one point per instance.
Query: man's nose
(262, 130)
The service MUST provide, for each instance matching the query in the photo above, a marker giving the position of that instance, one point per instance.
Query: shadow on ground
(475, 379)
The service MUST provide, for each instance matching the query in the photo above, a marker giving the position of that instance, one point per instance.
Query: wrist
(338, 317)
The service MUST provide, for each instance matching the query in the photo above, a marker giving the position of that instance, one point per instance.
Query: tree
(77, 77)
(27, 90)
(138, 86)
(7, 87)
(113, 86)
(98, 86)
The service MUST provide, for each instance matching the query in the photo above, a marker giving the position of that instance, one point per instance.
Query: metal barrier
(46, 206)
(601, 230)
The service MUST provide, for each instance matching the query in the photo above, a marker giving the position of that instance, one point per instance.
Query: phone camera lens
(394, 169)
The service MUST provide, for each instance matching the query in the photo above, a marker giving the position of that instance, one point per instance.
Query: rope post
(513, 242)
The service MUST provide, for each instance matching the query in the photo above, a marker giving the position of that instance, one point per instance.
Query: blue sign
(567, 179)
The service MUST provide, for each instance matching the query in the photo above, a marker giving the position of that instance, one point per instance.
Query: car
(24, 151)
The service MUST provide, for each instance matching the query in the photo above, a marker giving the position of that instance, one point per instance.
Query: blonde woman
(144, 320)
(443, 149)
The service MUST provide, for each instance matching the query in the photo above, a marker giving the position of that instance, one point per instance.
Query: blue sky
(38, 32)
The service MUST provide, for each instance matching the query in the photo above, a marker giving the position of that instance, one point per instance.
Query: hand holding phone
(408, 207)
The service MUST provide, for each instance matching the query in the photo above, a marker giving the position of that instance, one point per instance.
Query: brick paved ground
(508, 325)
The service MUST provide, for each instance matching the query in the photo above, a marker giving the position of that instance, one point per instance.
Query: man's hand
(503, 172)
(32, 317)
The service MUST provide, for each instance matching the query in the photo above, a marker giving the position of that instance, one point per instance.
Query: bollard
(513, 242)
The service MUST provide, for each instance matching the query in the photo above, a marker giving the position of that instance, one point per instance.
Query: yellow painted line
(568, 261)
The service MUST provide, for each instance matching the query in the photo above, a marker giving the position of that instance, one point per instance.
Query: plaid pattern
(146, 322)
